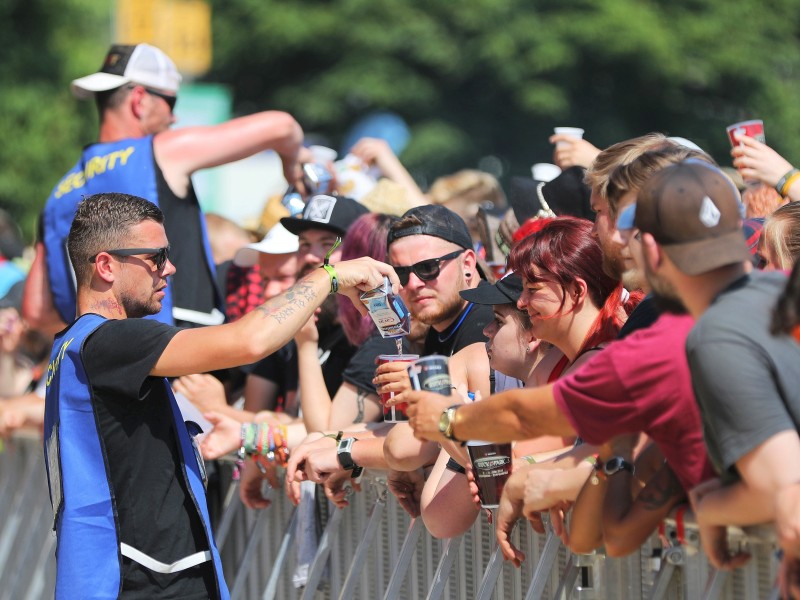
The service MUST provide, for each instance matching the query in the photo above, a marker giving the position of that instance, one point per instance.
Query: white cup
(574, 132)
(323, 155)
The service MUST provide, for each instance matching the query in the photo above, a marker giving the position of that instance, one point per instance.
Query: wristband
(785, 182)
(329, 267)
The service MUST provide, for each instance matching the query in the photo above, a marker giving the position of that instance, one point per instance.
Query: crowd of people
(631, 324)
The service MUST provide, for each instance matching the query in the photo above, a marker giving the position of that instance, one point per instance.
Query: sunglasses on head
(158, 255)
(426, 270)
(170, 100)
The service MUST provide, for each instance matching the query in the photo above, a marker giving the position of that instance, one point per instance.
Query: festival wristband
(785, 182)
(329, 267)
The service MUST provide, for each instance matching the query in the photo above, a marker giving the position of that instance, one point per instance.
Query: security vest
(89, 552)
(125, 166)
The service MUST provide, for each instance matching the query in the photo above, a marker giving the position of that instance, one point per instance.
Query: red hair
(529, 227)
(565, 249)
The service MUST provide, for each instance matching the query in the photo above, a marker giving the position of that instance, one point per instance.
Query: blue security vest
(88, 551)
(126, 166)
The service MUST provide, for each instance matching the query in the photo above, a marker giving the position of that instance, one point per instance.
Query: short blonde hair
(781, 236)
(621, 153)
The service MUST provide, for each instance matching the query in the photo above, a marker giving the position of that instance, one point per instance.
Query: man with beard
(639, 383)
(747, 381)
(125, 481)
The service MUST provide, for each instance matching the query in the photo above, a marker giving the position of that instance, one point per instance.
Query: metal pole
(449, 555)
(543, 568)
(415, 529)
(360, 556)
(277, 567)
(323, 551)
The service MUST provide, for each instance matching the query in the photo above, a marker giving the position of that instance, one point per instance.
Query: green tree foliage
(472, 78)
(46, 43)
(483, 77)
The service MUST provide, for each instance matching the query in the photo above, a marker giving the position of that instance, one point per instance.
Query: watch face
(444, 422)
(615, 464)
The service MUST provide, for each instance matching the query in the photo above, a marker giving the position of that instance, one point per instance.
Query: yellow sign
(181, 28)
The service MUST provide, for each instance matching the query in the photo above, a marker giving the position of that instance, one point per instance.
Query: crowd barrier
(372, 550)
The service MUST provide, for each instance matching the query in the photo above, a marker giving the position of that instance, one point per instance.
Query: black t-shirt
(193, 285)
(645, 314)
(156, 514)
(280, 368)
(466, 330)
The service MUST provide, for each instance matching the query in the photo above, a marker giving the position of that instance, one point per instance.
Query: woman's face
(508, 341)
(542, 300)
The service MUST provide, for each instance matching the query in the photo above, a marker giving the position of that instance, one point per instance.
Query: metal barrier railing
(373, 549)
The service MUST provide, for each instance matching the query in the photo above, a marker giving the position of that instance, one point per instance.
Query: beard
(664, 293)
(136, 308)
(613, 263)
(447, 310)
(632, 279)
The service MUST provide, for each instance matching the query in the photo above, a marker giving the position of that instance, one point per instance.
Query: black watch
(615, 464)
(343, 453)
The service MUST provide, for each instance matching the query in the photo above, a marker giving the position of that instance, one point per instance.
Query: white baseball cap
(277, 241)
(142, 64)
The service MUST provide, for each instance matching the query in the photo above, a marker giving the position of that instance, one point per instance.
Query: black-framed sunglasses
(426, 270)
(170, 100)
(158, 255)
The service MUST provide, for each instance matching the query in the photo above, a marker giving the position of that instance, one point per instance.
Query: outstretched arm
(270, 326)
(181, 152)
(511, 415)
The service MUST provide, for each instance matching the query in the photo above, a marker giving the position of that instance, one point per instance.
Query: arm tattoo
(660, 490)
(283, 306)
(361, 395)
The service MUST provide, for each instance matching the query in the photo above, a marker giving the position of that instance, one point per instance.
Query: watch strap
(344, 455)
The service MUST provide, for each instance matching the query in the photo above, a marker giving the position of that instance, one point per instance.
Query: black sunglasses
(158, 255)
(170, 100)
(426, 270)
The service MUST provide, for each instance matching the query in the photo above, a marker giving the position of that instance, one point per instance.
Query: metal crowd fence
(373, 549)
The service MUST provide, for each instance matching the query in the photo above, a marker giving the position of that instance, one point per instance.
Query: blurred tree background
(474, 79)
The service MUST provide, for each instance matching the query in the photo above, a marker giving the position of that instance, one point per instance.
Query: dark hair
(786, 315)
(111, 99)
(365, 237)
(103, 222)
(565, 249)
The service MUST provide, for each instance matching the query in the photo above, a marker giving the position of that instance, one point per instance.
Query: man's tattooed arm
(296, 298)
(361, 396)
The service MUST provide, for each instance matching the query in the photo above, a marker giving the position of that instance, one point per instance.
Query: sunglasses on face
(158, 255)
(426, 270)
(170, 100)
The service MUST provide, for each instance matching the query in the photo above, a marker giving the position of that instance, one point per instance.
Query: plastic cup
(394, 414)
(491, 465)
(753, 128)
(323, 154)
(573, 132)
(431, 374)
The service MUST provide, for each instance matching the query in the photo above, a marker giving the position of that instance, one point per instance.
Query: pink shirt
(641, 383)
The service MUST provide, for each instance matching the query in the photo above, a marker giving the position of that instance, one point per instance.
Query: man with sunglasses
(126, 484)
(137, 153)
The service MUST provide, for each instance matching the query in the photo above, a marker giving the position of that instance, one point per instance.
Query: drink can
(430, 374)
(387, 310)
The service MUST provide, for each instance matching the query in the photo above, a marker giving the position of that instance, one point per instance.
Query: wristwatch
(447, 421)
(343, 453)
(615, 464)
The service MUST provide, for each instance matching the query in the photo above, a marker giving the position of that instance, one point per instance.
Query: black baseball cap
(437, 221)
(331, 213)
(505, 291)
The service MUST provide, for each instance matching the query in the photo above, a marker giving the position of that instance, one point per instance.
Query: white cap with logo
(142, 64)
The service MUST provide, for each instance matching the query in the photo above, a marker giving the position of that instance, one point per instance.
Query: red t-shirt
(641, 383)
